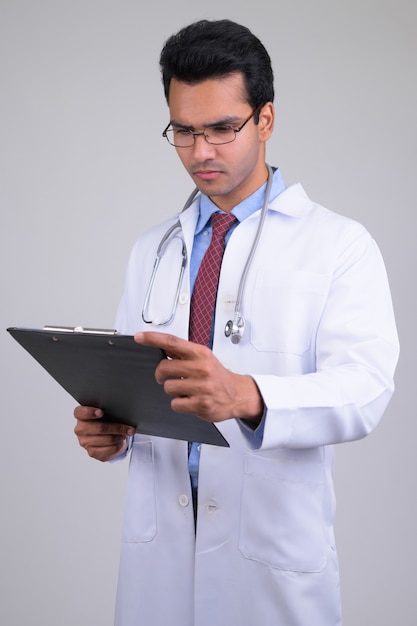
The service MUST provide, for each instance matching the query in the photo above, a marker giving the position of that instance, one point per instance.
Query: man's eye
(221, 129)
(181, 131)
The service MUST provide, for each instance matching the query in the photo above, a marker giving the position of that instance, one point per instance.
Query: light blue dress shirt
(202, 238)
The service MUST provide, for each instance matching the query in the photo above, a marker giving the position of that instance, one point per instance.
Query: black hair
(215, 49)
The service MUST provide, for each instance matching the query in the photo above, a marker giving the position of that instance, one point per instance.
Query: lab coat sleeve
(356, 355)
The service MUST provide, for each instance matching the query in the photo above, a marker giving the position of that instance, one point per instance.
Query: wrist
(251, 404)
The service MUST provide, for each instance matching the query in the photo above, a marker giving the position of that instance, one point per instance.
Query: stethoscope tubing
(234, 328)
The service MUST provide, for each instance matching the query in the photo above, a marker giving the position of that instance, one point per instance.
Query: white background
(84, 169)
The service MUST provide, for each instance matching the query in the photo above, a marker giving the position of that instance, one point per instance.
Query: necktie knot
(221, 222)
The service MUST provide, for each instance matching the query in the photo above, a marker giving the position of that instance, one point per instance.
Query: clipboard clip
(81, 330)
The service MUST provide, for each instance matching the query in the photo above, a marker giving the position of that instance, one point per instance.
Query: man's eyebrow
(224, 121)
(176, 124)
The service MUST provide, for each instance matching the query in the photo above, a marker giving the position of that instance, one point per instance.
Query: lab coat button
(183, 500)
(183, 299)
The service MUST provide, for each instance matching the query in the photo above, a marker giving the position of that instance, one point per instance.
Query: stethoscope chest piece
(235, 329)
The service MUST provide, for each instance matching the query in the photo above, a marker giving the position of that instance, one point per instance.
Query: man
(313, 367)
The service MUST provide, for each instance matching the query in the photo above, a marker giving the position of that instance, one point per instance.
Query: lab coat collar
(188, 220)
(293, 202)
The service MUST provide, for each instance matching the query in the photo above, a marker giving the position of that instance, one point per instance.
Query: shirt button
(183, 500)
(183, 299)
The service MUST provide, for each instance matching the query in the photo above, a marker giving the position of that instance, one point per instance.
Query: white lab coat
(321, 343)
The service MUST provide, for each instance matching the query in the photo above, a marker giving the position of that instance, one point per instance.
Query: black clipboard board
(112, 372)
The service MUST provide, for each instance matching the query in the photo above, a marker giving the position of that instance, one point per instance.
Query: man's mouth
(207, 174)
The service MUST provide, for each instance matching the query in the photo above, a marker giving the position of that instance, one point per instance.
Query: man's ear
(266, 121)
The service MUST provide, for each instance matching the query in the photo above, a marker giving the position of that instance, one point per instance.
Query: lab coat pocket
(282, 522)
(286, 308)
(140, 514)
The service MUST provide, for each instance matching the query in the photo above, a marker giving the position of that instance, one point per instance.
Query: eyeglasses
(216, 135)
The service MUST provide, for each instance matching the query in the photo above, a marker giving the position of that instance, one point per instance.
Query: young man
(313, 367)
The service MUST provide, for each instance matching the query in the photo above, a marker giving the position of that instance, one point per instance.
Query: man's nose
(202, 148)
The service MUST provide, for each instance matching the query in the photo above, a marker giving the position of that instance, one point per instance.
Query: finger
(87, 413)
(106, 453)
(93, 428)
(173, 346)
(170, 368)
(90, 441)
(201, 369)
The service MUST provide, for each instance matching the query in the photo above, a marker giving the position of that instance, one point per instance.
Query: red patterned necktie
(205, 289)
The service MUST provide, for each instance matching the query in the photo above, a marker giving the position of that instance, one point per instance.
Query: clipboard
(104, 369)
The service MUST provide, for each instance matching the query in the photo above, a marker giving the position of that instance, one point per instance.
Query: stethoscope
(234, 328)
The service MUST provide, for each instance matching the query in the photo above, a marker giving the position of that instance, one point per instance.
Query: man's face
(227, 173)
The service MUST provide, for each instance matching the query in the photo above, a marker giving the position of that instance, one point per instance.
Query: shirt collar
(241, 211)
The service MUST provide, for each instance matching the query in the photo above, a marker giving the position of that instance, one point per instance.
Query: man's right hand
(103, 441)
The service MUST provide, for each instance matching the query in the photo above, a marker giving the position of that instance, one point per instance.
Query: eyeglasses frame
(203, 132)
